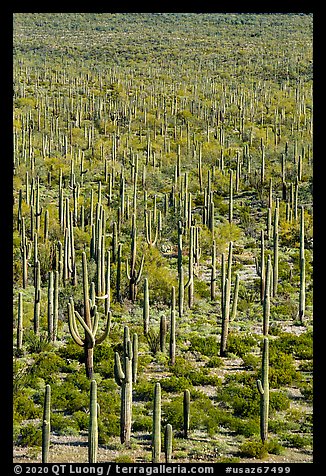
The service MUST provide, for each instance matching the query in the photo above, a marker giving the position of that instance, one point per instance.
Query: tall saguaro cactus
(132, 275)
(186, 413)
(226, 304)
(146, 307)
(89, 322)
(172, 328)
(125, 375)
(20, 328)
(263, 388)
(213, 272)
(156, 435)
(46, 426)
(302, 292)
(267, 295)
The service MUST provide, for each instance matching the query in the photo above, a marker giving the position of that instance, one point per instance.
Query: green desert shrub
(108, 426)
(175, 384)
(143, 423)
(47, 365)
(66, 397)
(208, 346)
(201, 377)
(63, 425)
(71, 351)
(182, 366)
(25, 407)
(306, 389)
(81, 419)
(37, 343)
(30, 435)
(143, 390)
(299, 346)
(160, 276)
(203, 414)
(215, 362)
(240, 344)
(251, 361)
(253, 448)
(245, 427)
(282, 369)
(79, 380)
(278, 401)
(295, 440)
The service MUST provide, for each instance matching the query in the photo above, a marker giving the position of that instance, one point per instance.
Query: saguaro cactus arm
(106, 332)
(73, 327)
(118, 372)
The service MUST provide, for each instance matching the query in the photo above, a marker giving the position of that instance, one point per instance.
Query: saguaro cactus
(37, 297)
(231, 197)
(263, 388)
(46, 426)
(213, 272)
(89, 322)
(302, 293)
(168, 443)
(163, 328)
(226, 304)
(133, 276)
(124, 376)
(134, 357)
(186, 413)
(172, 328)
(146, 307)
(235, 297)
(92, 428)
(156, 434)
(275, 249)
(20, 328)
(267, 293)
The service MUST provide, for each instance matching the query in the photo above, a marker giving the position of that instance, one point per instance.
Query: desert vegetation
(162, 237)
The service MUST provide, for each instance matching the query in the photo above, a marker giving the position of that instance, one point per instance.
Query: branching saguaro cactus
(156, 434)
(133, 276)
(93, 427)
(148, 229)
(263, 388)
(89, 322)
(46, 426)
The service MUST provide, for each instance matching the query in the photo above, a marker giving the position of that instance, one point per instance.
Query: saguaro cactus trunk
(46, 427)
(156, 436)
(263, 388)
(186, 413)
(168, 443)
(93, 429)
